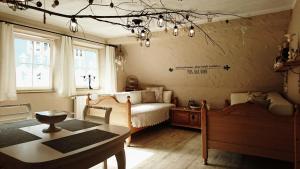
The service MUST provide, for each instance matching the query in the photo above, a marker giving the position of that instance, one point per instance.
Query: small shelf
(287, 66)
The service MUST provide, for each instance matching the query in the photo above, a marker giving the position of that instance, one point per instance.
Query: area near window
(86, 62)
(33, 63)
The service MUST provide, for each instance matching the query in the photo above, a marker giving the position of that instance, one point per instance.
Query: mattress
(278, 104)
(149, 114)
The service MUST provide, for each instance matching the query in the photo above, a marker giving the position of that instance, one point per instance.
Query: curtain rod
(26, 26)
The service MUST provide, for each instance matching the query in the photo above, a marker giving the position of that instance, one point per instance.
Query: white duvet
(149, 114)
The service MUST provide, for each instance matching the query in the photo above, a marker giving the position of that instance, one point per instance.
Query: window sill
(35, 91)
(79, 91)
(86, 91)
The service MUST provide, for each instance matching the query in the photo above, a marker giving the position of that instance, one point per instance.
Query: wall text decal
(199, 69)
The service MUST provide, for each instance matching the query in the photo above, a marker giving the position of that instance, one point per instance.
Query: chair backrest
(106, 118)
(14, 112)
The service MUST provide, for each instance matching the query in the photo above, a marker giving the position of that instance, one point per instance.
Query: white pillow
(167, 96)
(279, 105)
(136, 97)
(236, 98)
(122, 97)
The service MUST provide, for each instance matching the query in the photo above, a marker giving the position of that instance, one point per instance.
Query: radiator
(79, 104)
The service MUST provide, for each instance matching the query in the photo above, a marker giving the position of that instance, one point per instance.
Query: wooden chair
(15, 112)
(98, 119)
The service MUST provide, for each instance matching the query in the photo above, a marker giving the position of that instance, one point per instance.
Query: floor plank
(177, 148)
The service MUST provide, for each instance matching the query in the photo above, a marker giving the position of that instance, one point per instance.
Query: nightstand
(185, 117)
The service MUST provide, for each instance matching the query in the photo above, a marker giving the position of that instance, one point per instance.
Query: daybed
(130, 110)
(251, 128)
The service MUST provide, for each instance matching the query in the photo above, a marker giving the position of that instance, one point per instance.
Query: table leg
(121, 159)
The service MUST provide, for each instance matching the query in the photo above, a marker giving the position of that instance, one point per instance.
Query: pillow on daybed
(135, 97)
(158, 93)
(148, 97)
(167, 96)
(122, 96)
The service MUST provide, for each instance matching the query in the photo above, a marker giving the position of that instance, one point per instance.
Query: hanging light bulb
(143, 34)
(73, 25)
(175, 30)
(147, 43)
(209, 18)
(191, 31)
(55, 3)
(39, 4)
(111, 4)
(160, 21)
(91, 2)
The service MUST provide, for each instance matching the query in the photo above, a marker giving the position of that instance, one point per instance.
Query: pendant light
(160, 21)
(73, 25)
(191, 32)
(175, 30)
(147, 43)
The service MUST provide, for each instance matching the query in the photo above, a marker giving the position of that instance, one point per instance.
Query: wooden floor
(177, 148)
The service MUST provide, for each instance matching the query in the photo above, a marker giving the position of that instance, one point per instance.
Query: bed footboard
(247, 129)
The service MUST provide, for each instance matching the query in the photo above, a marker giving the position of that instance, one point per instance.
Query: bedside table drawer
(186, 117)
(181, 117)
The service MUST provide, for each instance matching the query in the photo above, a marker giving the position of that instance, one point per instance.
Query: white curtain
(7, 63)
(109, 82)
(64, 68)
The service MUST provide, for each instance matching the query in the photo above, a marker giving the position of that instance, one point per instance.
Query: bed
(129, 113)
(251, 129)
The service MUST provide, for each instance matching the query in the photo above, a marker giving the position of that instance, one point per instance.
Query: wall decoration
(199, 69)
(286, 53)
(138, 21)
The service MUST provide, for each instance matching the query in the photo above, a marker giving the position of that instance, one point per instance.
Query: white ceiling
(240, 7)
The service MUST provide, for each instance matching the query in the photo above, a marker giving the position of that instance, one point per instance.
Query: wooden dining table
(76, 148)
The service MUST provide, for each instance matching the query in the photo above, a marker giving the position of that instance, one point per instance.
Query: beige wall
(43, 101)
(251, 57)
(294, 79)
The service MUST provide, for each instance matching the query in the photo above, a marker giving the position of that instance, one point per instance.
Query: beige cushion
(158, 93)
(236, 98)
(279, 105)
(122, 96)
(136, 97)
(148, 97)
(167, 96)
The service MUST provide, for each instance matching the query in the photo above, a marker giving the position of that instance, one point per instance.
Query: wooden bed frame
(251, 130)
(121, 112)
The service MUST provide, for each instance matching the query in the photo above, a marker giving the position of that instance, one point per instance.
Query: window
(86, 63)
(33, 63)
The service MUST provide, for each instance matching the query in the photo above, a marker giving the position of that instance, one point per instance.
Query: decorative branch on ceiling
(138, 21)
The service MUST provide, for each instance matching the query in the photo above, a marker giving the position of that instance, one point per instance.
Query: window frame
(87, 47)
(26, 36)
